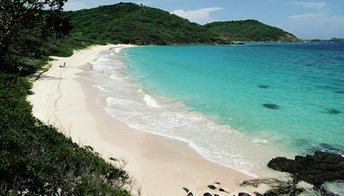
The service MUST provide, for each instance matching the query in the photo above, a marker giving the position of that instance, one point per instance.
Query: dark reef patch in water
(339, 92)
(263, 86)
(333, 111)
(307, 64)
(326, 87)
(271, 106)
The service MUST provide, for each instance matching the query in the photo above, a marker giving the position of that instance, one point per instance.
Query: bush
(36, 159)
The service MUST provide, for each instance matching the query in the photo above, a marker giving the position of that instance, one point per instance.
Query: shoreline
(162, 166)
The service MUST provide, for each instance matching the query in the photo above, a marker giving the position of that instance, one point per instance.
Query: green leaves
(39, 160)
(24, 23)
(250, 30)
(135, 24)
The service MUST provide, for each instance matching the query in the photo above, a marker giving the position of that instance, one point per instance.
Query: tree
(22, 24)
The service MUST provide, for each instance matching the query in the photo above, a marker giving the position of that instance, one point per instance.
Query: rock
(257, 194)
(331, 188)
(271, 106)
(186, 189)
(263, 86)
(277, 186)
(333, 111)
(284, 191)
(217, 183)
(243, 194)
(256, 182)
(270, 193)
(212, 187)
(190, 194)
(207, 194)
(316, 169)
(222, 190)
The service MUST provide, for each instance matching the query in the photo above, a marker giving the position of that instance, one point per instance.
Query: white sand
(161, 166)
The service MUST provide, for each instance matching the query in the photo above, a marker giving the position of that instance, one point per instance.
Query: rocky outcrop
(277, 187)
(315, 169)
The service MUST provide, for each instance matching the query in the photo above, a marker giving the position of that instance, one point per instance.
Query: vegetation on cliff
(35, 159)
(137, 24)
(250, 30)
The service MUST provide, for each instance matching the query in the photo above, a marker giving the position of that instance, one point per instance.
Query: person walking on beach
(64, 65)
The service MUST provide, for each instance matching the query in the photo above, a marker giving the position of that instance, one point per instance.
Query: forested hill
(137, 24)
(250, 30)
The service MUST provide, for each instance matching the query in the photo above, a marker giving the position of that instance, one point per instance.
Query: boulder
(190, 194)
(212, 187)
(186, 189)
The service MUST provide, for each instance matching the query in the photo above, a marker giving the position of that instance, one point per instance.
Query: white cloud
(201, 16)
(311, 5)
(306, 16)
(316, 25)
(75, 5)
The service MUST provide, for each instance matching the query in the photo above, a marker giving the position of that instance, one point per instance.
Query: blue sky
(307, 19)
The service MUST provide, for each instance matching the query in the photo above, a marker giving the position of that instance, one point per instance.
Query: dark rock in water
(263, 86)
(243, 194)
(333, 111)
(335, 149)
(316, 169)
(186, 189)
(222, 190)
(190, 194)
(334, 188)
(271, 106)
(212, 187)
(207, 194)
(339, 92)
(323, 191)
(217, 183)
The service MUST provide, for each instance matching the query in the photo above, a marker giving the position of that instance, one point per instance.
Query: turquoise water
(237, 106)
(231, 84)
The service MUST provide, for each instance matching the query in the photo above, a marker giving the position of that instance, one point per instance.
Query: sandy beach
(161, 166)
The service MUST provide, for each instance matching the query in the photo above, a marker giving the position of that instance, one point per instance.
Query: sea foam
(151, 102)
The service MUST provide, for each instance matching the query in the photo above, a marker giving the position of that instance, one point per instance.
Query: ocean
(238, 106)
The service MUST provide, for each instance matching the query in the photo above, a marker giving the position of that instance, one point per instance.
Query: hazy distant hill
(136, 24)
(250, 30)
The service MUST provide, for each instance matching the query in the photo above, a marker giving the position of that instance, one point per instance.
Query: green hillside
(250, 30)
(136, 24)
(36, 159)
